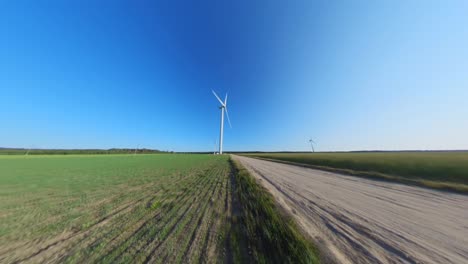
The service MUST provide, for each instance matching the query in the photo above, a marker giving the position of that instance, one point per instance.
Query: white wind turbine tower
(223, 108)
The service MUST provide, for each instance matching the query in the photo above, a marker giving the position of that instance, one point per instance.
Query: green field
(134, 208)
(444, 170)
(21, 151)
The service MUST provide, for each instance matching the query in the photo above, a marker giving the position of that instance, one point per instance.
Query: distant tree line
(22, 151)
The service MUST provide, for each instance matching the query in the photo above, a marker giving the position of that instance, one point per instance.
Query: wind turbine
(312, 144)
(223, 108)
(136, 149)
(29, 149)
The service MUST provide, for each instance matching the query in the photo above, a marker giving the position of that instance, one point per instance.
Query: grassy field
(443, 170)
(21, 151)
(132, 209)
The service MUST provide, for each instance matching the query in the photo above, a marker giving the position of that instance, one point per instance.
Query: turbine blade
(217, 97)
(227, 115)
(225, 100)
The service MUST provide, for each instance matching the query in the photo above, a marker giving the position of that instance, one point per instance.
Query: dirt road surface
(356, 220)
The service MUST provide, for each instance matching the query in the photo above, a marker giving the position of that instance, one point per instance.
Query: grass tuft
(155, 205)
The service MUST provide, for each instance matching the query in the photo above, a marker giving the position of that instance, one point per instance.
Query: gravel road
(356, 220)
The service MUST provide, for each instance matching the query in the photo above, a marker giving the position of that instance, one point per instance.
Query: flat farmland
(113, 208)
(440, 170)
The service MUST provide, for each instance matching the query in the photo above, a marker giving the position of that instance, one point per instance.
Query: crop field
(118, 208)
(444, 170)
(155, 208)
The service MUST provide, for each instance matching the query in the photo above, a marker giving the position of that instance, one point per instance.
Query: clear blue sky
(354, 75)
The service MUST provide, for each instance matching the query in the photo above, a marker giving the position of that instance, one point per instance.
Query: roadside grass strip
(271, 234)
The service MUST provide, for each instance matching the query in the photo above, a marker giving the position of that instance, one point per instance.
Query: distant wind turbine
(223, 108)
(29, 149)
(215, 144)
(312, 145)
(138, 146)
